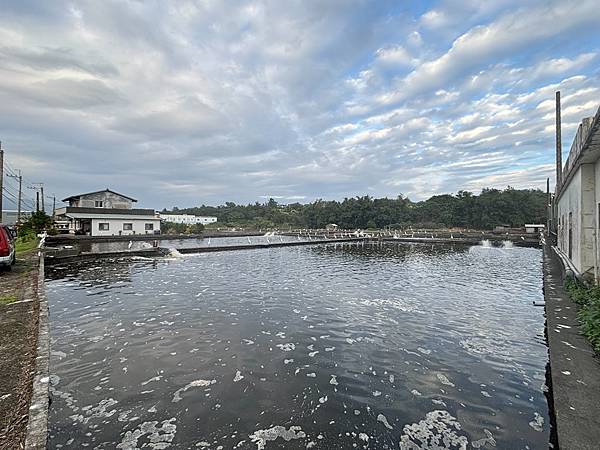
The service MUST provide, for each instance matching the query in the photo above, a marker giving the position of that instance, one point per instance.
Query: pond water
(330, 346)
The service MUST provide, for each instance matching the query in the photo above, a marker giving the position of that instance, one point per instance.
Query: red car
(7, 248)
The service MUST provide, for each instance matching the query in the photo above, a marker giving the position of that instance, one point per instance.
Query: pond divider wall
(271, 245)
(37, 424)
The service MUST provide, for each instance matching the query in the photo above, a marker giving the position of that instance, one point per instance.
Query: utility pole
(42, 195)
(20, 197)
(53, 205)
(558, 144)
(548, 207)
(20, 178)
(1, 178)
(38, 187)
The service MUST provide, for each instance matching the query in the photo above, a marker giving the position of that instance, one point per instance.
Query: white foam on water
(438, 427)
(174, 253)
(323, 399)
(238, 376)
(261, 437)
(444, 380)
(415, 393)
(287, 347)
(156, 378)
(537, 423)
(158, 437)
(197, 383)
(439, 402)
(333, 380)
(376, 393)
(381, 418)
(488, 439)
(288, 361)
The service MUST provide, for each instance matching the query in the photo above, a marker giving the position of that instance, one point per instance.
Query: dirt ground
(18, 343)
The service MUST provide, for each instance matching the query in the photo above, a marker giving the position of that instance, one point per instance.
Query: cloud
(184, 103)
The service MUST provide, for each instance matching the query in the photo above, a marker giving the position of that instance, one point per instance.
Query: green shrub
(589, 313)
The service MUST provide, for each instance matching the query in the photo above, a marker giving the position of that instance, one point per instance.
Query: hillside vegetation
(492, 207)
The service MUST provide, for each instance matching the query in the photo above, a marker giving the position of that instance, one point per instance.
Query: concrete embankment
(497, 242)
(24, 355)
(71, 238)
(574, 369)
(270, 245)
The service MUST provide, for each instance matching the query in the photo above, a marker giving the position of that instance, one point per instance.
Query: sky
(184, 103)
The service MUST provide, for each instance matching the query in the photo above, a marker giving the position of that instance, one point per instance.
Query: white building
(187, 219)
(576, 203)
(534, 227)
(106, 213)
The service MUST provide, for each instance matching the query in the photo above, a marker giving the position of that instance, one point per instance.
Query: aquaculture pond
(334, 346)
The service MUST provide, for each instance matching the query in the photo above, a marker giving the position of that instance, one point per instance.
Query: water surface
(330, 346)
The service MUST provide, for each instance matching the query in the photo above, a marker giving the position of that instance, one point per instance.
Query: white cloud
(216, 103)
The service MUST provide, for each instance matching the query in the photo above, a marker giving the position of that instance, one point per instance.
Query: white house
(107, 213)
(187, 219)
(534, 227)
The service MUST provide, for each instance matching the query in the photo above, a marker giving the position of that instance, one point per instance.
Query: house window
(149, 227)
(103, 226)
(99, 204)
(127, 226)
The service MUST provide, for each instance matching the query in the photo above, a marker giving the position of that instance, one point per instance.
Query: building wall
(116, 226)
(187, 219)
(577, 209)
(569, 210)
(109, 199)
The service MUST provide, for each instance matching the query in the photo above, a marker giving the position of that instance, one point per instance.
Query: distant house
(331, 227)
(534, 227)
(106, 213)
(187, 219)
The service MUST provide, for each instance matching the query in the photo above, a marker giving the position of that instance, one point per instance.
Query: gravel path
(18, 340)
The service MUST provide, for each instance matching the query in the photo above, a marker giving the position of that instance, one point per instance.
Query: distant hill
(492, 207)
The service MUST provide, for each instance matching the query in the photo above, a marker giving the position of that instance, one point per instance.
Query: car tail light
(4, 245)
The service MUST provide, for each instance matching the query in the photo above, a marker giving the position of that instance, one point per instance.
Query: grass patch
(589, 314)
(6, 299)
(26, 243)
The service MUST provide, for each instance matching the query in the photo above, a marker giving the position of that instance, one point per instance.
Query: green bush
(589, 313)
(37, 223)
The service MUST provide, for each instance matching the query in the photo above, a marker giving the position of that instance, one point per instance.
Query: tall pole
(19, 199)
(548, 207)
(53, 205)
(558, 144)
(1, 178)
(37, 201)
(42, 195)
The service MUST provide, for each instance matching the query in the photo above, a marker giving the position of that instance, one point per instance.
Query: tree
(37, 223)
(464, 209)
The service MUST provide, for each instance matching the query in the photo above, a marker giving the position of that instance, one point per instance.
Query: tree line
(493, 207)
